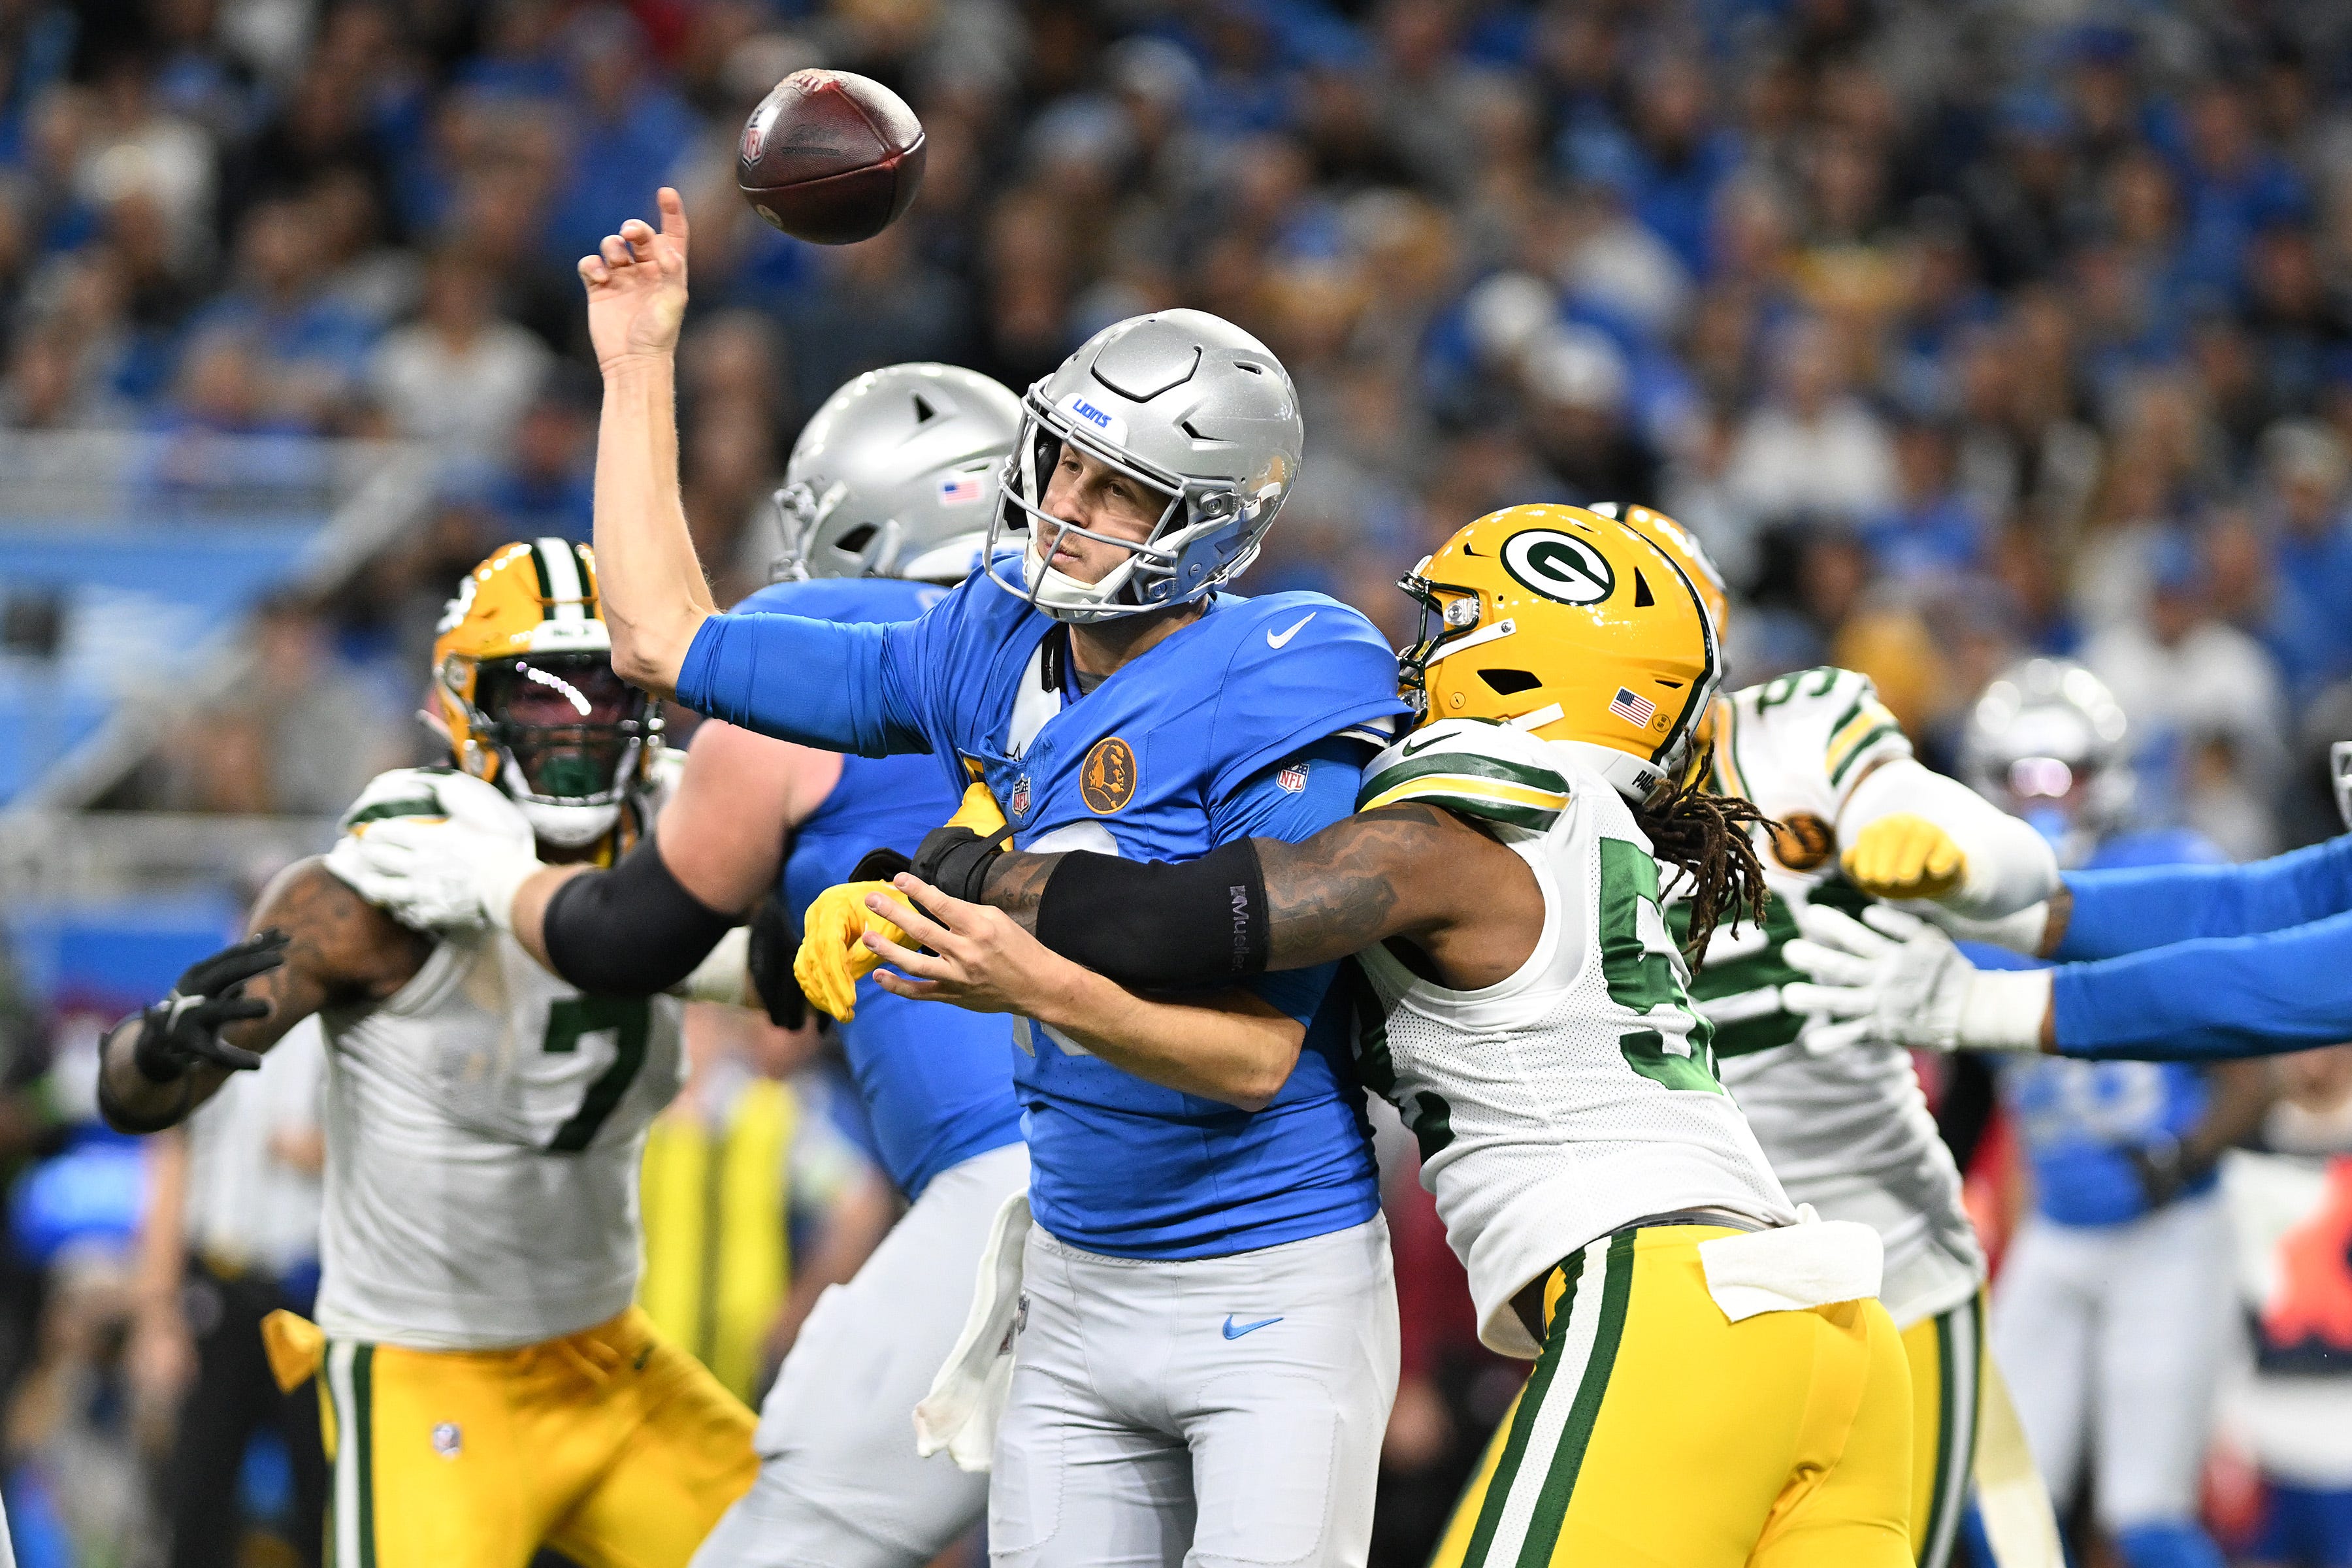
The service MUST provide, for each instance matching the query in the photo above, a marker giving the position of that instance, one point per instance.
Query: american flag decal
(1635, 710)
(962, 489)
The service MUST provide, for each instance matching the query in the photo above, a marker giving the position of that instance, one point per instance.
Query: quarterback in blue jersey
(886, 500)
(1207, 1324)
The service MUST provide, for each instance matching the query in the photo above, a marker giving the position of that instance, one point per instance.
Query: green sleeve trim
(1860, 749)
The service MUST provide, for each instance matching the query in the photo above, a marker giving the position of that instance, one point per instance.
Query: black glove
(956, 859)
(185, 1027)
(769, 959)
(2164, 1168)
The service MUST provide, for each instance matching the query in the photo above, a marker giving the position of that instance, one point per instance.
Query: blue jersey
(933, 1078)
(1226, 730)
(2206, 963)
(2078, 1118)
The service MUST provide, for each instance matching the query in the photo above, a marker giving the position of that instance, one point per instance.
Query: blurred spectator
(231, 1235)
(460, 376)
(2310, 628)
(2290, 1197)
(1812, 448)
(303, 735)
(309, 348)
(2186, 678)
(544, 481)
(1934, 527)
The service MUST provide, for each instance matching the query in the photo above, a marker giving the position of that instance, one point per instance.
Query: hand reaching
(184, 1029)
(636, 286)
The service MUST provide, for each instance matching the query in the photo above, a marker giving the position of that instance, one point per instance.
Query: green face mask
(570, 773)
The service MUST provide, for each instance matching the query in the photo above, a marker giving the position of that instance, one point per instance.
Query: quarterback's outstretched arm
(336, 949)
(654, 596)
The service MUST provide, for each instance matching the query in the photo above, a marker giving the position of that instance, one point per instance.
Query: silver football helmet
(894, 475)
(2045, 742)
(2339, 773)
(1183, 402)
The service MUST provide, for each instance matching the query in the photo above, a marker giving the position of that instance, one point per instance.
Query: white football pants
(840, 1485)
(1208, 1411)
(2111, 1337)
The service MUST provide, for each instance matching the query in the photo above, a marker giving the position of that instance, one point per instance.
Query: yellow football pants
(1947, 1355)
(1655, 1433)
(611, 1445)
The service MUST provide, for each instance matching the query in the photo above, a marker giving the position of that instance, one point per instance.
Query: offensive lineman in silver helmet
(886, 497)
(1193, 1348)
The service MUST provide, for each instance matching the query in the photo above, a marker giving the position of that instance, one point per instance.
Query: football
(830, 157)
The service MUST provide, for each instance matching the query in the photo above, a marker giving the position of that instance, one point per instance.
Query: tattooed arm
(1460, 907)
(342, 950)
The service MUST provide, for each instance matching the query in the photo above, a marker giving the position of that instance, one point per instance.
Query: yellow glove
(832, 960)
(1905, 857)
(978, 813)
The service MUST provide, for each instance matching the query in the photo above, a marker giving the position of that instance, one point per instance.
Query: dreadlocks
(1706, 837)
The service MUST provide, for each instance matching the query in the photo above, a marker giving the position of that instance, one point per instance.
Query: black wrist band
(1197, 922)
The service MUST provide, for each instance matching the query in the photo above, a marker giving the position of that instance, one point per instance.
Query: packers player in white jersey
(1715, 1382)
(1849, 1131)
(488, 1386)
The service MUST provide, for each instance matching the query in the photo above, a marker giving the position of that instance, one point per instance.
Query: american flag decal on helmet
(962, 489)
(1633, 709)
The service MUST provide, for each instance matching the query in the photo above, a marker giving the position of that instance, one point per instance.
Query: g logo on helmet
(1107, 779)
(1559, 567)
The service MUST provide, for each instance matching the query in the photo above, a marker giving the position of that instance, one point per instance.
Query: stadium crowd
(1957, 331)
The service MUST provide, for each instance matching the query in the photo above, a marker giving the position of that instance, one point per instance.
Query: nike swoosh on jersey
(1277, 640)
(1416, 744)
(1235, 1330)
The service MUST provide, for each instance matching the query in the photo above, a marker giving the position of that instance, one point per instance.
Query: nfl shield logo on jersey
(447, 1441)
(1019, 802)
(1293, 778)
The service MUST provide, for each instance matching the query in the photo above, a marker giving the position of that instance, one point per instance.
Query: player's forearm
(1238, 1050)
(2009, 865)
(131, 1101)
(2211, 999)
(654, 594)
(2118, 913)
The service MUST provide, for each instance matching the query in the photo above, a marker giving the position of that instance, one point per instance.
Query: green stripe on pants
(1560, 1484)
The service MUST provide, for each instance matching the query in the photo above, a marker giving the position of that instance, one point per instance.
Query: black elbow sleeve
(1152, 923)
(631, 930)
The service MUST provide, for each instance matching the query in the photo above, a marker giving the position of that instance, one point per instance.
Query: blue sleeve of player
(2212, 999)
(1311, 667)
(844, 687)
(2123, 912)
(1295, 797)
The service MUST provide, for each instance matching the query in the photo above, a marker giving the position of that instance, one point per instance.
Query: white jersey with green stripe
(1849, 1131)
(485, 1125)
(1579, 1095)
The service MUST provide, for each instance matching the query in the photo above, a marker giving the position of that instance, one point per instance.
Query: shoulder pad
(1474, 766)
(1830, 714)
(1295, 668)
(403, 792)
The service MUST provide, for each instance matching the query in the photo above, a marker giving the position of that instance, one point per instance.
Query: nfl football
(830, 157)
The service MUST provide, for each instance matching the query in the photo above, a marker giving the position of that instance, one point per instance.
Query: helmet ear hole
(1508, 682)
(856, 539)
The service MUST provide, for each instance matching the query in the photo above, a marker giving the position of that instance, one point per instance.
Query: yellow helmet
(1689, 555)
(522, 671)
(1572, 626)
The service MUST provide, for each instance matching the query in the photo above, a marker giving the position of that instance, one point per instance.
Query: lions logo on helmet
(522, 674)
(1570, 624)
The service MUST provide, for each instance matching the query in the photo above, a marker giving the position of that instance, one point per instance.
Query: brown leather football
(830, 157)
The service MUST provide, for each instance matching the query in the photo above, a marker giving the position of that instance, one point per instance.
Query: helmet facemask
(1206, 533)
(561, 733)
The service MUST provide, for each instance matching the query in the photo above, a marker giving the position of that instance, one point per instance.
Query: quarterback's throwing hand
(980, 959)
(636, 286)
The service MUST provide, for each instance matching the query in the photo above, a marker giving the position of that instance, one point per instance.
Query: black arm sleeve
(632, 931)
(1152, 923)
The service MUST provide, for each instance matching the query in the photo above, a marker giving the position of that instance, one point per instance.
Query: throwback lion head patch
(1107, 779)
